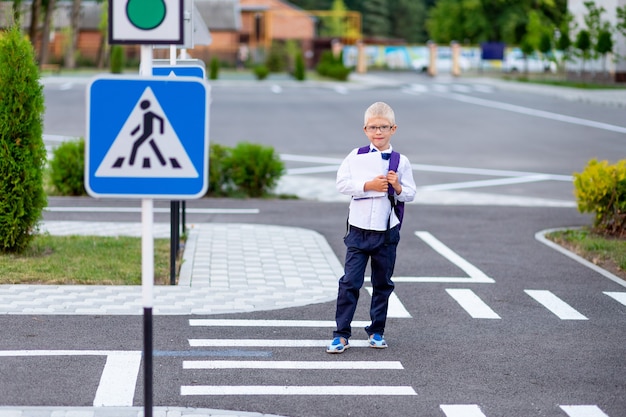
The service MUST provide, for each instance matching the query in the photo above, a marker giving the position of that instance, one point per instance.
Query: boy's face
(379, 132)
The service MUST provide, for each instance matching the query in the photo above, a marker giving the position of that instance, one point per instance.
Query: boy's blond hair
(380, 109)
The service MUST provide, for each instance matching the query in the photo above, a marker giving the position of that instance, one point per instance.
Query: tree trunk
(72, 44)
(45, 33)
(35, 9)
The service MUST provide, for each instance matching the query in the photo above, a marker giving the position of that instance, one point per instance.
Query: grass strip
(606, 252)
(83, 260)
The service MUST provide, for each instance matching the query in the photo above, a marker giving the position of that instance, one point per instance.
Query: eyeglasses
(373, 129)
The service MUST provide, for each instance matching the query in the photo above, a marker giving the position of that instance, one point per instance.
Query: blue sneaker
(377, 341)
(338, 345)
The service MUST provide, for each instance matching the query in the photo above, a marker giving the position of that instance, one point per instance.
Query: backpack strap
(398, 206)
(364, 149)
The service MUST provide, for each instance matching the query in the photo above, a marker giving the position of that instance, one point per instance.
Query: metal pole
(147, 266)
(174, 238)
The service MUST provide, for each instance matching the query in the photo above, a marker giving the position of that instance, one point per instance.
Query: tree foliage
(22, 151)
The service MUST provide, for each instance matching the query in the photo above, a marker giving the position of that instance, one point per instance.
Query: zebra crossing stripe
(583, 411)
(395, 309)
(461, 410)
(287, 343)
(269, 323)
(292, 365)
(617, 296)
(296, 390)
(472, 303)
(557, 306)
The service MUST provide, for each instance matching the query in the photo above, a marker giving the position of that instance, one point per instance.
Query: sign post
(144, 146)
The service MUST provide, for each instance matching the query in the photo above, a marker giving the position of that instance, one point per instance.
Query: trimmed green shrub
(214, 68)
(117, 59)
(255, 169)
(299, 71)
(277, 58)
(220, 183)
(22, 151)
(67, 168)
(261, 72)
(601, 189)
(332, 67)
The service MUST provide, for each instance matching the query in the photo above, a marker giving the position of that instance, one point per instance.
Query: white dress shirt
(368, 211)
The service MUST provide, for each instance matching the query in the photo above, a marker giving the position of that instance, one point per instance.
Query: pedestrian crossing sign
(147, 137)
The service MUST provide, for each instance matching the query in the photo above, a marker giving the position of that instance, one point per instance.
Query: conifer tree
(22, 151)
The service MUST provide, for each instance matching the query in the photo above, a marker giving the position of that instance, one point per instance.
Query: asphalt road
(517, 351)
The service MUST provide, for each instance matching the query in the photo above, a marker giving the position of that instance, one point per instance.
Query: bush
(254, 169)
(277, 58)
(261, 72)
(601, 189)
(299, 71)
(332, 67)
(22, 151)
(220, 183)
(117, 59)
(67, 168)
(214, 68)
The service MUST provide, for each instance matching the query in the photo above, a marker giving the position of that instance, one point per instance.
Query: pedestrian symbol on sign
(147, 146)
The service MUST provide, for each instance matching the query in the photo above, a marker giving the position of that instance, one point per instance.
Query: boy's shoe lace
(377, 341)
(338, 345)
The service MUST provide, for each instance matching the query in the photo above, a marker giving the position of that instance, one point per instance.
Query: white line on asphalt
(583, 411)
(268, 323)
(287, 343)
(118, 380)
(292, 365)
(293, 390)
(461, 410)
(119, 376)
(472, 303)
(536, 113)
(188, 210)
(486, 183)
(557, 306)
(475, 274)
(395, 309)
(617, 296)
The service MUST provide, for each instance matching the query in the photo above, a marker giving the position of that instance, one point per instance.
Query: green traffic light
(146, 14)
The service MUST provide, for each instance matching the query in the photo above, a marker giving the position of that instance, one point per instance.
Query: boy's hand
(379, 183)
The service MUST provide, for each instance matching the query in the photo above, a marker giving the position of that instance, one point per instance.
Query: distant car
(444, 62)
(514, 61)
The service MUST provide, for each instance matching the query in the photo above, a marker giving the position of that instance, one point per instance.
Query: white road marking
(119, 376)
(472, 303)
(155, 210)
(395, 309)
(536, 113)
(557, 306)
(292, 365)
(118, 380)
(487, 183)
(617, 296)
(287, 343)
(296, 390)
(461, 410)
(269, 323)
(475, 274)
(583, 411)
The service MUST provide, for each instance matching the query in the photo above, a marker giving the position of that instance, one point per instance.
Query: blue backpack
(394, 161)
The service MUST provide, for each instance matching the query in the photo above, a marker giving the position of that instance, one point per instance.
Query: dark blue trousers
(362, 246)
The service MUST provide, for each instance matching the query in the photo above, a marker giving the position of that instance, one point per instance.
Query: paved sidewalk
(226, 268)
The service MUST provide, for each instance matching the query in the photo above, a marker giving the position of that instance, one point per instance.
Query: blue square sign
(147, 137)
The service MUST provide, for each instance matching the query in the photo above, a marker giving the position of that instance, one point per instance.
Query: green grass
(83, 260)
(606, 252)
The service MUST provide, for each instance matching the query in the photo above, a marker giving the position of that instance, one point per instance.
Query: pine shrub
(117, 59)
(22, 151)
(214, 68)
(67, 168)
